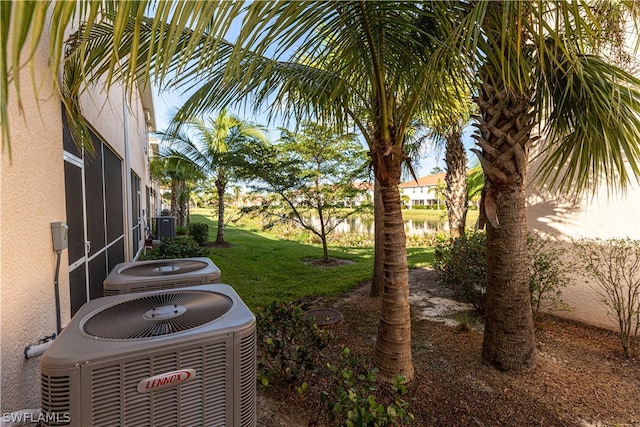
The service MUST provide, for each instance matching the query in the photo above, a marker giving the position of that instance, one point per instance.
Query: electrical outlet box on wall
(59, 235)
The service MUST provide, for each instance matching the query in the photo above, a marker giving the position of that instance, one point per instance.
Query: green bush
(199, 232)
(614, 266)
(289, 343)
(181, 247)
(549, 272)
(462, 267)
(354, 398)
(181, 230)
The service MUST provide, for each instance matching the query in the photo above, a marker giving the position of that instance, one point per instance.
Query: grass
(263, 268)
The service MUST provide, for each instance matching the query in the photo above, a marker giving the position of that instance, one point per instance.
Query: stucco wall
(31, 197)
(605, 215)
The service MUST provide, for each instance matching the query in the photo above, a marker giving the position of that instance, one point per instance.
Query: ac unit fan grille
(164, 268)
(157, 315)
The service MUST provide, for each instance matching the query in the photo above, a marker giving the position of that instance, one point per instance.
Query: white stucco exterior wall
(605, 215)
(31, 197)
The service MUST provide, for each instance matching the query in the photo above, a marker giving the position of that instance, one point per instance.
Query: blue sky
(167, 103)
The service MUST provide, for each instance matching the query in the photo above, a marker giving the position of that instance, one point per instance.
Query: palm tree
(25, 22)
(179, 175)
(535, 76)
(210, 153)
(447, 124)
(378, 55)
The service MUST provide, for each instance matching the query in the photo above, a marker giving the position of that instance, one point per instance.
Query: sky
(165, 104)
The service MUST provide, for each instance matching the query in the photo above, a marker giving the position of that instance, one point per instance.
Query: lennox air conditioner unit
(182, 357)
(155, 275)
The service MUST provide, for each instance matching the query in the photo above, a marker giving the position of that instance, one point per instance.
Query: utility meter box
(59, 235)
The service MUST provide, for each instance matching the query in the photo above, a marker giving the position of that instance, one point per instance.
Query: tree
(380, 56)
(536, 73)
(212, 151)
(315, 171)
(24, 23)
(180, 176)
(446, 123)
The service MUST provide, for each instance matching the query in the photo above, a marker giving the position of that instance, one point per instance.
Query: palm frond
(593, 119)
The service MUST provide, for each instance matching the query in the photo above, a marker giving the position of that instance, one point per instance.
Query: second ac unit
(143, 276)
(184, 357)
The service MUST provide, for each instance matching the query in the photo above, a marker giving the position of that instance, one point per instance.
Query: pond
(412, 227)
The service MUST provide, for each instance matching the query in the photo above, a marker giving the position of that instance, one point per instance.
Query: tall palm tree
(535, 77)
(179, 175)
(447, 123)
(346, 56)
(210, 151)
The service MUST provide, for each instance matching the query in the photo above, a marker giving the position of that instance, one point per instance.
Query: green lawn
(263, 268)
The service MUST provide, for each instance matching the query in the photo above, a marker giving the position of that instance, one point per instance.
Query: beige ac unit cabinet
(182, 357)
(154, 275)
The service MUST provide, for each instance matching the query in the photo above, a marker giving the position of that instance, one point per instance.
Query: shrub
(199, 232)
(462, 267)
(289, 343)
(181, 247)
(353, 399)
(614, 264)
(549, 272)
(181, 230)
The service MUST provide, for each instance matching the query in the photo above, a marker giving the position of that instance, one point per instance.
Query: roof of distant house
(425, 181)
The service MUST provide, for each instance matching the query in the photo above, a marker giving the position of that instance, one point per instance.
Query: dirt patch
(580, 378)
(331, 262)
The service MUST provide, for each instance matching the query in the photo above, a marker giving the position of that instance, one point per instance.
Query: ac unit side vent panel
(164, 407)
(55, 396)
(248, 351)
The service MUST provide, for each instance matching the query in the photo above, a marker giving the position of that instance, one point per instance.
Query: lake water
(411, 227)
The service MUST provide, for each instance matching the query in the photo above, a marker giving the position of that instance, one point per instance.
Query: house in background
(424, 191)
(105, 199)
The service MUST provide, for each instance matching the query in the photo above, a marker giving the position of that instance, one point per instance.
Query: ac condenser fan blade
(157, 315)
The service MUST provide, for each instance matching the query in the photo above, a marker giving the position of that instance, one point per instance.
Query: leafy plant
(199, 232)
(354, 398)
(181, 247)
(549, 272)
(289, 343)
(614, 264)
(462, 267)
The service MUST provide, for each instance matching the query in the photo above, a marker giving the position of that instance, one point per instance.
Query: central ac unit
(183, 357)
(155, 275)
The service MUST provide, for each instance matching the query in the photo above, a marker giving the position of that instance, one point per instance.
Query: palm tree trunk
(509, 338)
(377, 282)
(456, 179)
(174, 197)
(392, 354)
(183, 201)
(505, 135)
(220, 187)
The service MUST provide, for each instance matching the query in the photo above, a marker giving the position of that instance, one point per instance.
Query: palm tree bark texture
(504, 134)
(456, 179)
(393, 344)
